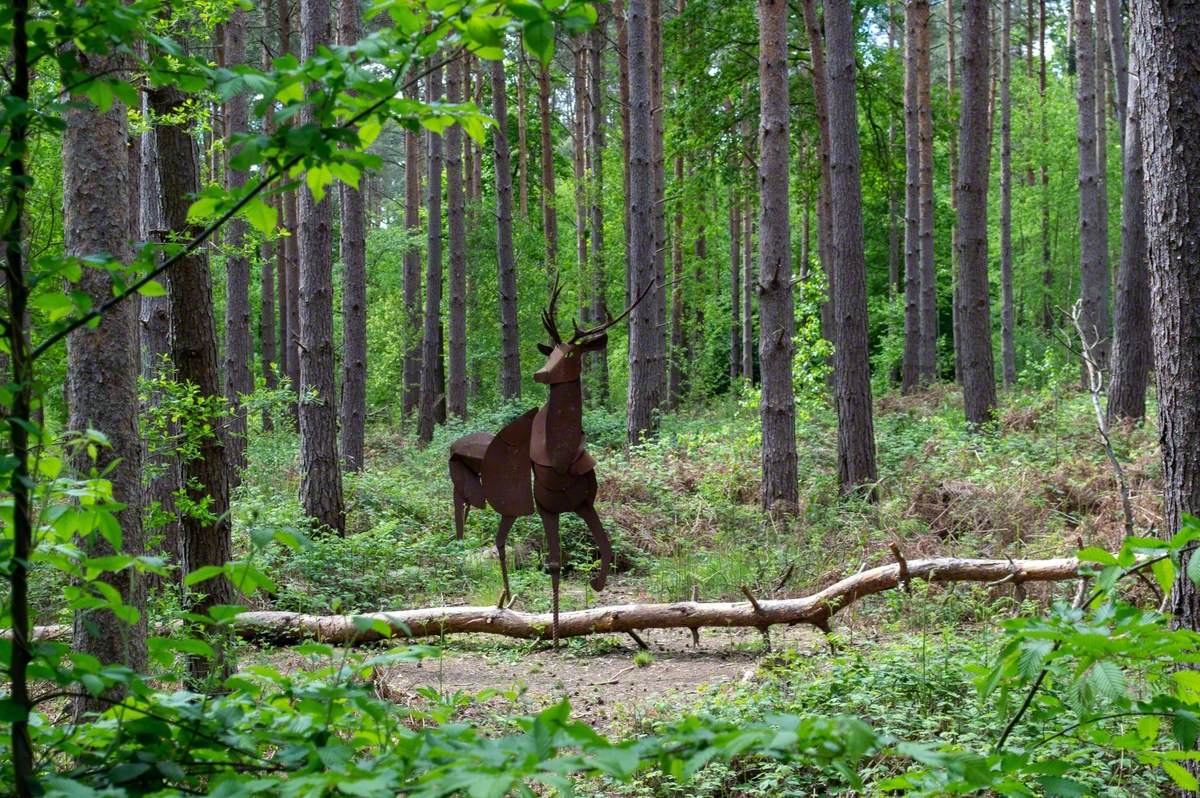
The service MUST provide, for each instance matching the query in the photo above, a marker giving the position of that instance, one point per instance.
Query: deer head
(564, 359)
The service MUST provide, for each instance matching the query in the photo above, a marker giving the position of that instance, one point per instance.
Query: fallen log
(285, 628)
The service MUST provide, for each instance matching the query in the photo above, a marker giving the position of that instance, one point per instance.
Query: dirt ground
(600, 677)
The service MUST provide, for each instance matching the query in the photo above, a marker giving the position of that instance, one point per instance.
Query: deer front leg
(600, 537)
(554, 563)
(506, 522)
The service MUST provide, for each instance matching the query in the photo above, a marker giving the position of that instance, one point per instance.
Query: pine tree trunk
(645, 364)
(579, 175)
(678, 339)
(1132, 351)
(522, 140)
(412, 268)
(238, 345)
(599, 391)
(352, 412)
(549, 213)
(975, 326)
(320, 471)
(456, 387)
(852, 369)
(928, 309)
(469, 144)
(289, 297)
(952, 148)
(910, 365)
(735, 285)
(623, 87)
(777, 323)
(510, 354)
(749, 281)
(155, 339)
(1093, 237)
(207, 539)
(102, 366)
(433, 386)
(1047, 266)
(825, 194)
(1165, 37)
(659, 293)
(267, 286)
(1008, 352)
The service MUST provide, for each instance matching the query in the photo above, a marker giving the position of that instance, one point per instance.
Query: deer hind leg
(468, 491)
(506, 522)
(600, 537)
(554, 563)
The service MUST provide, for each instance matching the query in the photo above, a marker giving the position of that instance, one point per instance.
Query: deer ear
(599, 342)
(545, 349)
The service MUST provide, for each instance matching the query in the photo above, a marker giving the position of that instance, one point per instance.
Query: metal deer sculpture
(539, 461)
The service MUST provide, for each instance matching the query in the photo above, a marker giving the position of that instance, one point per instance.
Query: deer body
(539, 462)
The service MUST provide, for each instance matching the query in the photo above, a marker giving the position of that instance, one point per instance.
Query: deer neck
(564, 423)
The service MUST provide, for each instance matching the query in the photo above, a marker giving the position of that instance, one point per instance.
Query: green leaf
(1193, 568)
(317, 178)
(261, 216)
(292, 92)
(1061, 786)
(1096, 554)
(203, 574)
(481, 32)
(1164, 574)
(369, 131)
(539, 40)
(1181, 777)
(152, 289)
(1107, 679)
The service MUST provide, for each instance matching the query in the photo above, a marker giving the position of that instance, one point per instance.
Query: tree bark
(777, 321)
(433, 386)
(102, 365)
(645, 358)
(412, 267)
(579, 97)
(599, 391)
(928, 326)
(549, 212)
(852, 368)
(658, 294)
(270, 252)
(910, 365)
(352, 412)
(289, 302)
(456, 388)
(1047, 266)
(952, 149)
(749, 280)
(1093, 237)
(971, 243)
(510, 353)
(1008, 352)
(735, 285)
(1132, 343)
(206, 539)
(320, 471)
(1165, 40)
(623, 87)
(522, 140)
(825, 194)
(675, 378)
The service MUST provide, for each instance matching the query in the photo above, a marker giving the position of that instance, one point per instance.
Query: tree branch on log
(286, 628)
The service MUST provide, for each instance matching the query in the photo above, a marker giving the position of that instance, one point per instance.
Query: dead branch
(286, 628)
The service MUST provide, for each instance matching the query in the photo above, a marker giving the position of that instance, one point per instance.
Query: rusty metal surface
(540, 458)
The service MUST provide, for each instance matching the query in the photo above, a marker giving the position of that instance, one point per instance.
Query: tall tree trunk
(289, 301)
(320, 471)
(1047, 266)
(952, 147)
(270, 253)
(1132, 345)
(102, 366)
(433, 385)
(645, 364)
(659, 292)
(352, 412)
(678, 354)
(623, 86)
(206, 539)
(825, 195)
(522, 140)
(468, 144)
(852, 368)
(412, 268)
(911, 361)
(928, 326)
(579, 173)
(1008, 352)
(549, 212)
(749, 281)
(1165, 37)
(155, 339)
(599, 391)
(735, 285)
(238, 345)
(510, 353)
(1093, 237)
(777, 320)
(456, 388)
(971, 243)
(895, 277)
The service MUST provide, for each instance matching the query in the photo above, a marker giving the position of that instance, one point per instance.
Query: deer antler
(582, 336)
(549, 312)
